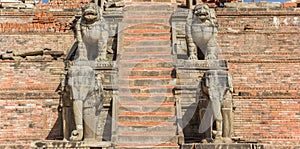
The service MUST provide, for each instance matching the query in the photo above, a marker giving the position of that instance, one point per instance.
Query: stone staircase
(146, 114)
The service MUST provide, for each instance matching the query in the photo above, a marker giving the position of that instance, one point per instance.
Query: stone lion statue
(201, 30)
(92, 33)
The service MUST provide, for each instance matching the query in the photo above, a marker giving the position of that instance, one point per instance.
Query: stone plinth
(66, 144)
(223, 146)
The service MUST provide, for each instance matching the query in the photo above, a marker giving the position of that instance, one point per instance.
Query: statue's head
(90, 12)
(202, 12)
(215, 80)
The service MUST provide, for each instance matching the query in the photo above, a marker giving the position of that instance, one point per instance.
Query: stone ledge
(202, 64)
(69, 144)
(223, 146)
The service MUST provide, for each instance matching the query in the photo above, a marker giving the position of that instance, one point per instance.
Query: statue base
(222, 146)
(59, 144)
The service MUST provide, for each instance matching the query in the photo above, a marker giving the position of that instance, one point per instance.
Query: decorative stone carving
(82, 100)
(83, 90)
(92, 33)
(216, 104)
(201, 30)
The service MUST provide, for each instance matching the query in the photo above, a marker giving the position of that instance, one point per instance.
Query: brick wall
(33, 21)
(263, 59)
(264, 62)
(28, 102)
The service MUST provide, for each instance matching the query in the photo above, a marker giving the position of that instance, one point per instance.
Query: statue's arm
(192, 49)
(78, 31)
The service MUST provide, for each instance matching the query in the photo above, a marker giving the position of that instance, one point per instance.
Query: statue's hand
(193, 57)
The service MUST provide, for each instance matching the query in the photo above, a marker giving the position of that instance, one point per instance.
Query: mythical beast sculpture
(92, 33)
(201, 29)
(216, 105)
(83, 90)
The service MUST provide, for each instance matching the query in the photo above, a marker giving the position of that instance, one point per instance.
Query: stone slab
(69, 144)
(223, 146)
(202, 64)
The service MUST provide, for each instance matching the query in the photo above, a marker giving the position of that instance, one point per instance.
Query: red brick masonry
(264, 62)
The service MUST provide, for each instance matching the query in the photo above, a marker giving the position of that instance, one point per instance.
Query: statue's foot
(211, 57)
(81, 58)
(218, 140)
(101, 58)
(207, 140)
(227, 140)
(193, 57)
(77, 135)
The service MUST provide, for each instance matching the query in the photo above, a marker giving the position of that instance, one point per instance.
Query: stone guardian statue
(216, 105)
(92, 33)
(201, 30)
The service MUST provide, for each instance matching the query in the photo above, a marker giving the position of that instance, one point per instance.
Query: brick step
(147, 69)
(160, 34)
(155, 63)
(161, 52)
(149, 1)
(148, 6)
(144, 82)
(149, 133)
(148, 13)
(136, 20)
(149, 50)
(147, 146)
(145, 108)
(142, 90)
(145, 139)
(129, 64)
(144, 15)
(147, 44)
(145, 87)
(146, 118)
(146, 100)
(146, 124)
(133, 39)
(121, 94)
(143, 129)
(144, 78)
(146, 57)
(146, 26)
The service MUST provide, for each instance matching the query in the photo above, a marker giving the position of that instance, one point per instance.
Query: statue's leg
(66, 112)
(212, 50)
(227, 120)
(77, 109)
(192, 51)
(102, 51)
(82, 52)
(218, 137)
(206, 123)
(90, 124)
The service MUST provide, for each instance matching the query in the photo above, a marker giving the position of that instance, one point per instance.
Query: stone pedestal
(53, 144)
(223, 146)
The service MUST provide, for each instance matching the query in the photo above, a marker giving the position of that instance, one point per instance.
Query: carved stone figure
(92, 33)
(201, 30)
(86, 92)
(216, 105)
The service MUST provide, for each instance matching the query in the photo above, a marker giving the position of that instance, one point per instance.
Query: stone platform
(49, 144)
(59, 144)
(223, 146)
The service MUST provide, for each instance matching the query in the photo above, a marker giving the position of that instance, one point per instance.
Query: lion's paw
(193, 57)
